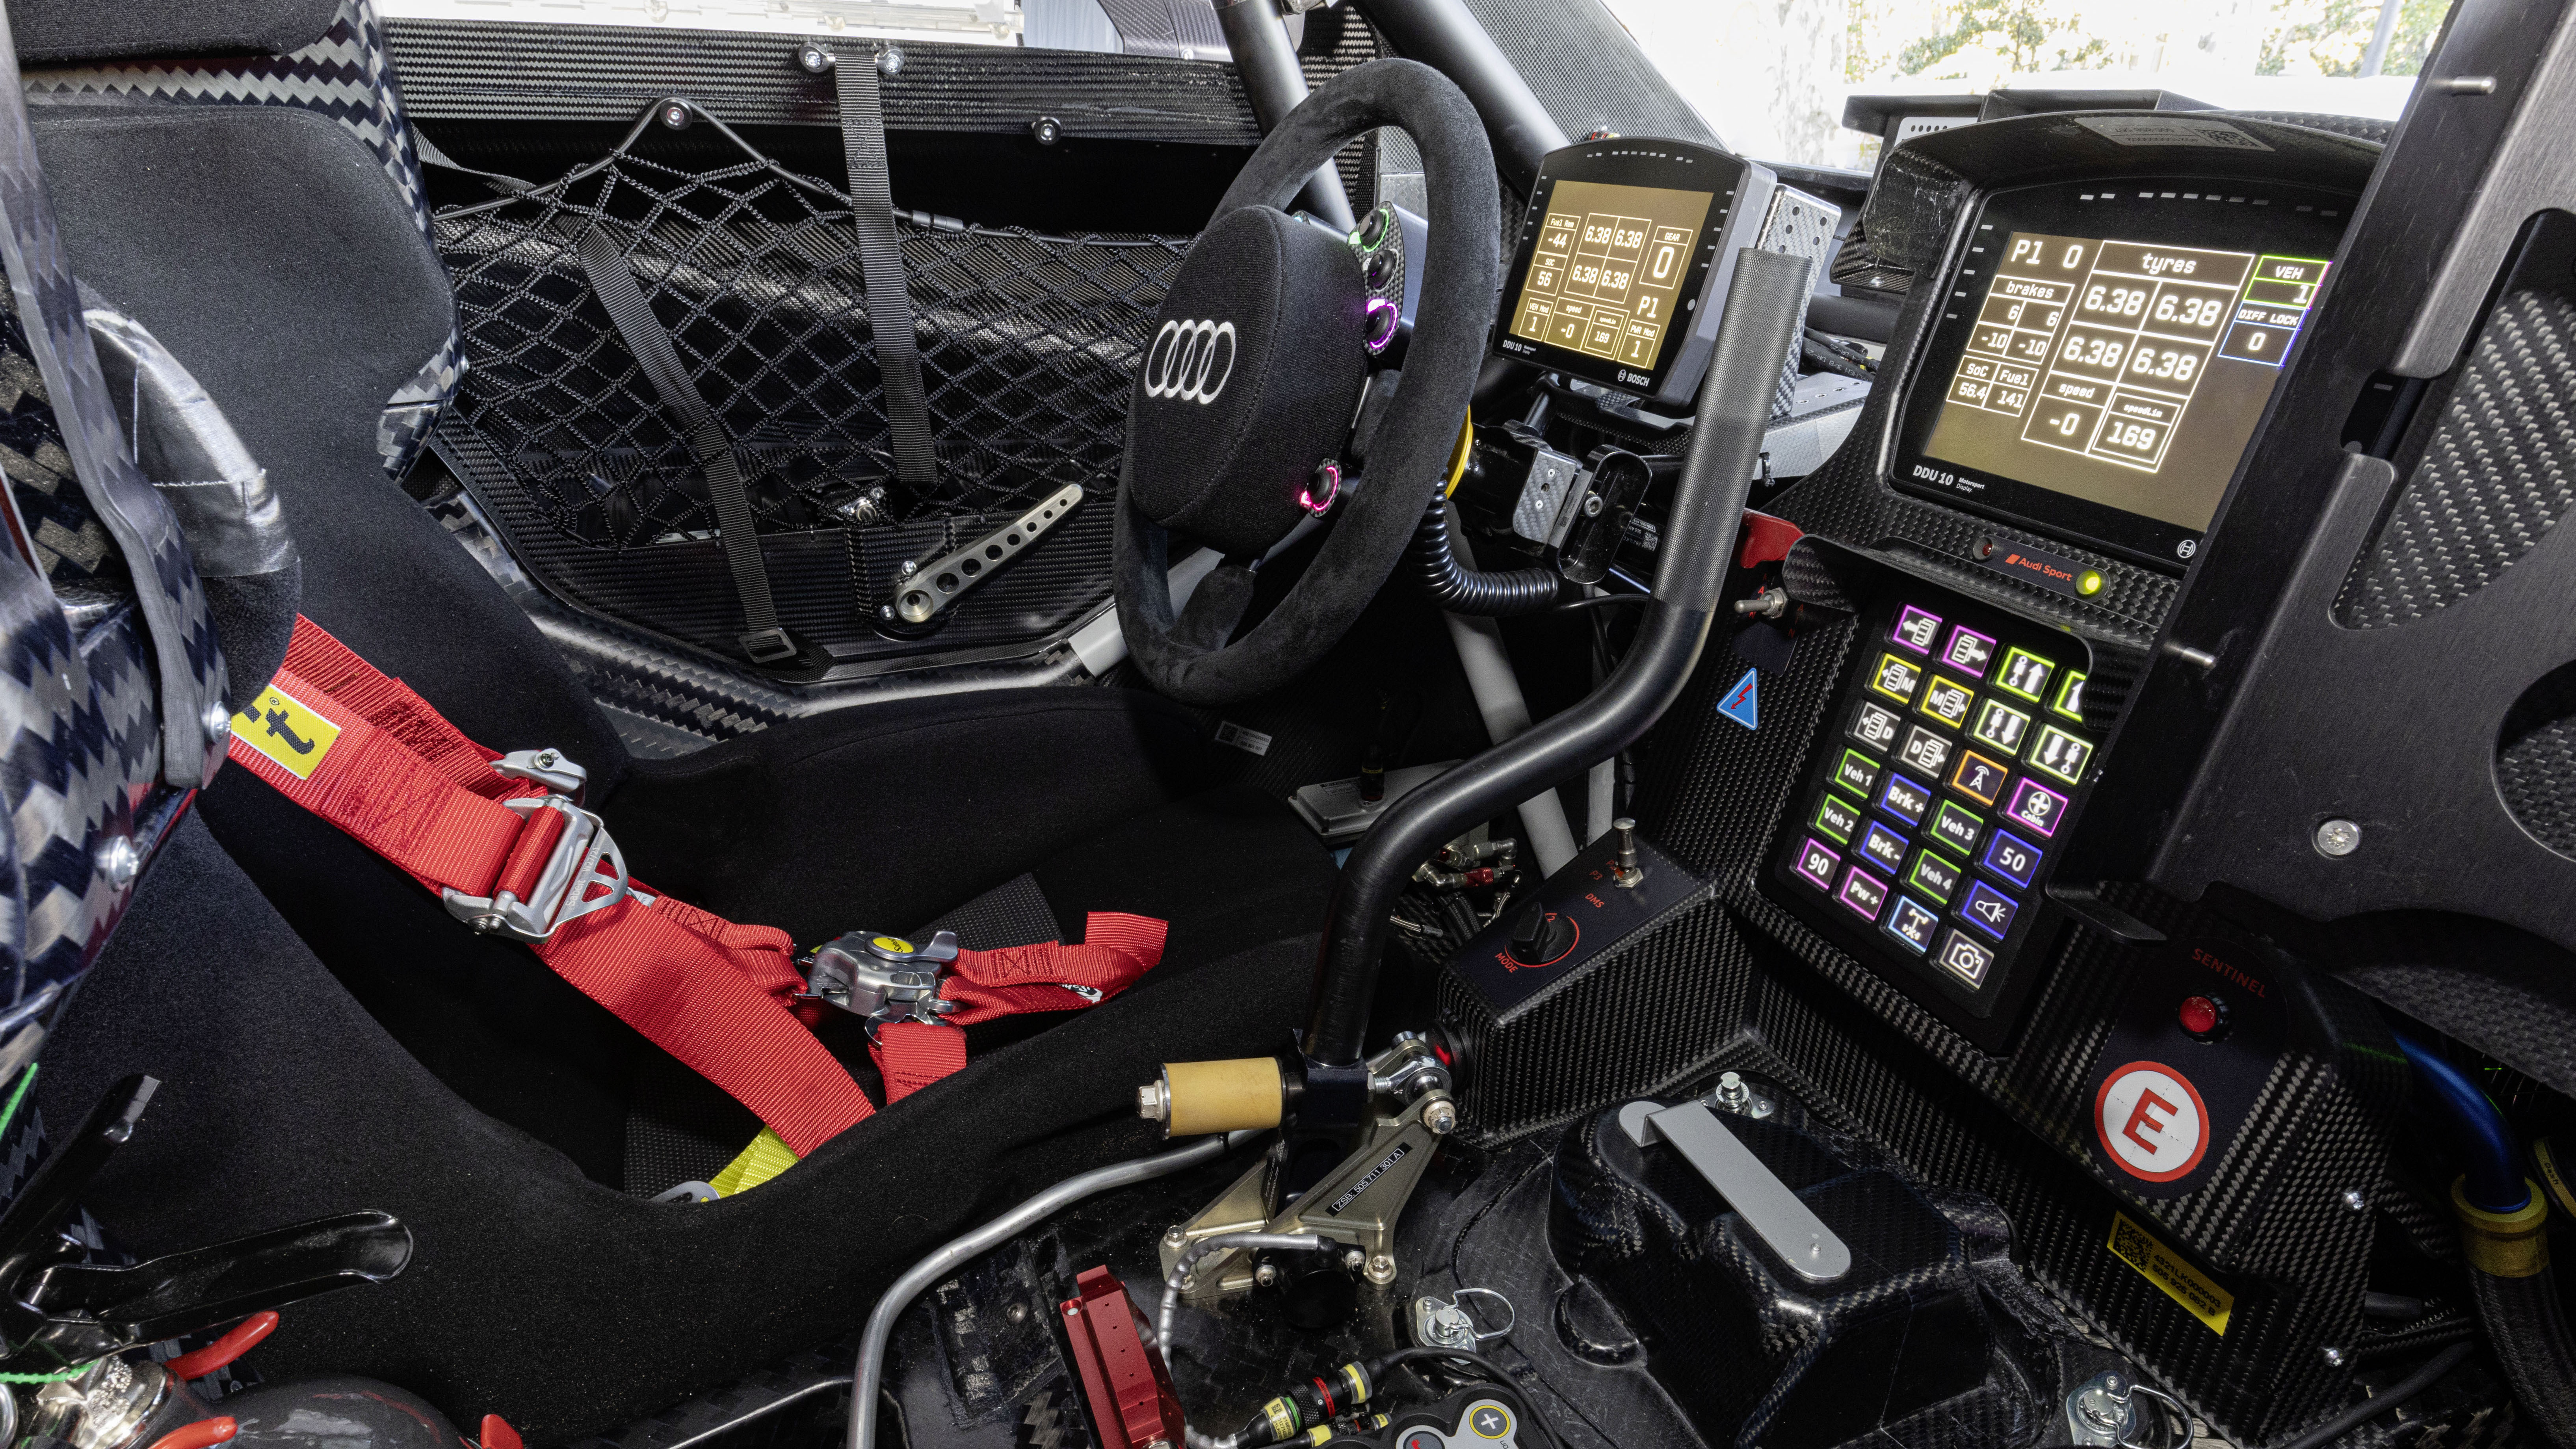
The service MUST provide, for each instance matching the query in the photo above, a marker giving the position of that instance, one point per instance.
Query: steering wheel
(1256, 370)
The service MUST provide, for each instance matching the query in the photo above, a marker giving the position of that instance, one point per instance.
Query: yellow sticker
(2199, 1295)
(893, 943)
(286, 730)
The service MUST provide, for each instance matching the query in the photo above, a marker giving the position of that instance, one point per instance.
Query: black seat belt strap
(889, 300)
(613, 280)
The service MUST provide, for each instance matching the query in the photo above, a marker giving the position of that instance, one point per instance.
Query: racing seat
(331, 1038)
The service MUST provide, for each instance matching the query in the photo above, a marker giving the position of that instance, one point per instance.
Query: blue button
(1884, 846)
(1989, 910)
(2010, 856)
(1912, 924)
(1905, 799)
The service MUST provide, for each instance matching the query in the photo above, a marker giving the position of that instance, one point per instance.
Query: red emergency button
(2202, 1018)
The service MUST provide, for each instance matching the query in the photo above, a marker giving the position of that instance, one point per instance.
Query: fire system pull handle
(1775, 1214)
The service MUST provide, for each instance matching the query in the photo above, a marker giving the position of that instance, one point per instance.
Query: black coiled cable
(1462, 590)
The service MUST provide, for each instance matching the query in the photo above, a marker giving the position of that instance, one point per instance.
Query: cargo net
(1029, 344)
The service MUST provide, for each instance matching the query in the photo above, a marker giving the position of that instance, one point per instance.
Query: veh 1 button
(1856, 772)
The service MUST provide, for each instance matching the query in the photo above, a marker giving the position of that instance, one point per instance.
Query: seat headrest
(58, 32)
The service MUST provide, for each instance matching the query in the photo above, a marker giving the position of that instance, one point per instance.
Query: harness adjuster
(562, 891)
(881, 978)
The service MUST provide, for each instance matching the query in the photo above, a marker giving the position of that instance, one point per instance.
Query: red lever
(497, 1433)
(203, 1434)
(244, 1337)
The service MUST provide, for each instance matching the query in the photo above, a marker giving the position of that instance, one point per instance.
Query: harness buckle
(881, 978)
(562, 889)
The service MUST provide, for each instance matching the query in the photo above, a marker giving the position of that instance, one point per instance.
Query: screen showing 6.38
(2129, 374)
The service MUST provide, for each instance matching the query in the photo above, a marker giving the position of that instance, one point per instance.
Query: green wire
(8, 1115)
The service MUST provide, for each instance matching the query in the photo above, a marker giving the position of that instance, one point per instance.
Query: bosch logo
(1190, 361)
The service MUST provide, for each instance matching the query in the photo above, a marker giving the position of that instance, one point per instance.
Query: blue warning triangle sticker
(1743, 703)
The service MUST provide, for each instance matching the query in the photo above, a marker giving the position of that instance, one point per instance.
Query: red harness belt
(364, 752)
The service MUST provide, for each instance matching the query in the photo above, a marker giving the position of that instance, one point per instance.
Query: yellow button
(1490, 1420)
(2089, 582)
(893, 943)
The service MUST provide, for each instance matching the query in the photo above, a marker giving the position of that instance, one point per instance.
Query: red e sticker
(2151, 1120)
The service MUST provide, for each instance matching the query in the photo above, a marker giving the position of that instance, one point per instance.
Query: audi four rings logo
(1190, 361)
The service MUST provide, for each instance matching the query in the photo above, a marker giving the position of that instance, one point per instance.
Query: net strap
(612, 279)
(889, 298)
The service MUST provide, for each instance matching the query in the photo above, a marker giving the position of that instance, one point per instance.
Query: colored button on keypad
(1837, 818)
(1989, 910)
(1816, 865)
(1883, 846)
(1978, 778)
(2013, 858)
(1856, 772)
(2070, 697)
(1926, 751)
(1905, 799)
(1964, 958)
(2060, 756)
(1912, 924)
(1896, 677)
(1947, 701)
(1935, 875)
(2036, 806)
(1958, 827)
(1916, 629)
(2000, 725)
(2024, 673)
(1877, 726)
(1969, 652)
(1863, 894)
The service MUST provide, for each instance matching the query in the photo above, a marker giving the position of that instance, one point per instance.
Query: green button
(1935, 876)
(1837, 818)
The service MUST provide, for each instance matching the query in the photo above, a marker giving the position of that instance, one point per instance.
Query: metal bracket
(1358, 1204)
(562, 891)
(549, 767)
(1785, 1224)
(929, 588)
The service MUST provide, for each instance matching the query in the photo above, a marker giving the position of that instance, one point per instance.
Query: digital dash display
(2106, 383)
(1606, 277)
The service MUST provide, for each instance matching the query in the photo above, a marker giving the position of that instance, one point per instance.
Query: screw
(1266, 1274)
(2338, 838)
(2468, 85)
(2334, 1356)
(1381, 1270)
(1441, 1118)
(907, 568)
(1019, 1313)
(1177, 1235)
(1731, 1089)
(815, 59)
(1073, 1310)
(1046, 130)
(1355, 1260)
(547, 758)
(2353, 1199)
(218, 723)
(890, 62)
(1592, 506)
(675, 114)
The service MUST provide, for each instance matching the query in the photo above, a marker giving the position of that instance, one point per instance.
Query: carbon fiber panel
(1587, 71)
(479, 70)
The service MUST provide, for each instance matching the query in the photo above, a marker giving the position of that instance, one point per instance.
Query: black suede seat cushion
(49, 32)
(266, 248)
(560, 1304)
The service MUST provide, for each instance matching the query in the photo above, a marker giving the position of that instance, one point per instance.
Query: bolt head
(2334, 1356)
(890, 61)
(1355, 1260)
(675, 115)
(1441, 1118)
(1381, 1270)
(1019, 1313)
(218, 724)
(2338, 838)
(815, 59)
(1177, 1235)
(1046, 130)
(2356, 1200)
(1266, 1275)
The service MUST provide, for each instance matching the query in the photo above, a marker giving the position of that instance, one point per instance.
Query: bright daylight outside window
(1771, 76)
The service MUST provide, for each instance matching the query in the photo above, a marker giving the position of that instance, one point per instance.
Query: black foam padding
(1250, 382)
(267, 249)
(560, 1303)
(51, 32)
(1413, 444)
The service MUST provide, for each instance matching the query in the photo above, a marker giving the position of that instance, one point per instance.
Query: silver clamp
(1446, 1323)
(882, 978)
(562, 891)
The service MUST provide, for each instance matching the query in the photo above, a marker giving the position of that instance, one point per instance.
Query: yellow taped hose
(1230, 1096)
(2504, 1245)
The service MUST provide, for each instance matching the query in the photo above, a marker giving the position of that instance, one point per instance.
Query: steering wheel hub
(1250, 381)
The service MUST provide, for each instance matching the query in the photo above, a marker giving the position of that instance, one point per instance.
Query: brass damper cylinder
(1193, 1099)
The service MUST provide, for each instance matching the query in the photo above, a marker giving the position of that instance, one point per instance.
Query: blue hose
(2494, 1161)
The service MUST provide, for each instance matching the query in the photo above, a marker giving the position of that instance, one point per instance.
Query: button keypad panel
(1957, 758)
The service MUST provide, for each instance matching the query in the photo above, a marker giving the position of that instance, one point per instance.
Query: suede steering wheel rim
(1186, 654)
